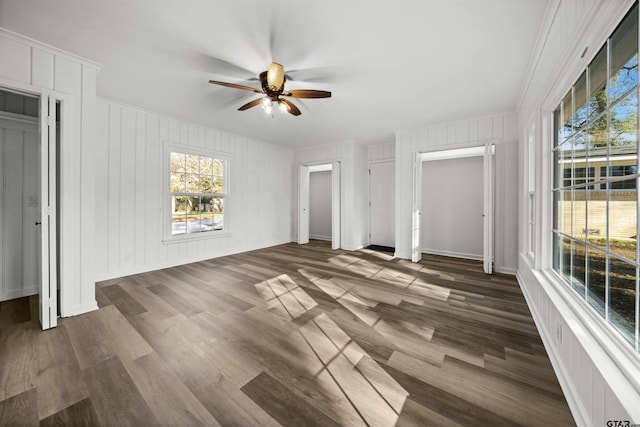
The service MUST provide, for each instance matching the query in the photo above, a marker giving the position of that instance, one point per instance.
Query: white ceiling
(391, 65)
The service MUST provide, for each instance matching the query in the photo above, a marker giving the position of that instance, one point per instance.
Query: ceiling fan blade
(250, 104)
(235, 86)
(292, 108)
(308, 93)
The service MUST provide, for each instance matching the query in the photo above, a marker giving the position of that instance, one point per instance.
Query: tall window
(197, 188)
(595, 189)
(531, 186)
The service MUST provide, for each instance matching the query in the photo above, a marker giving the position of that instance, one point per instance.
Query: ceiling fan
(272, 81)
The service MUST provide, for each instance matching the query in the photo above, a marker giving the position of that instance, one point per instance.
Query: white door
(19, 212)
(382, 210)
(335, 205)
(416, 244)
(303, 205)
(47, 223)
(488, 209)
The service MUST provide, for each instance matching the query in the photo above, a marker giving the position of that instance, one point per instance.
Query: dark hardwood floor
(290, 335)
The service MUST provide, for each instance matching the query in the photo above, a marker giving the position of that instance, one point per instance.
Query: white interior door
(416, 244)
(19, 157)
(488, 209)
(303, 205)
(335, 205)
(382, 211)
(47, 223)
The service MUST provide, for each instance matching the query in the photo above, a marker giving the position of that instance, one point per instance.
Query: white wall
(379, 152)
(501, 130)
(130, 188)
(600, 379)
(34, 67)
(353, 185)
(320, 205)
(452, 207)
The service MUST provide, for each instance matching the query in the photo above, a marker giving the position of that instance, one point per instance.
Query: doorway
(382, 211)
(486, 153)
(28, 200)
(320, 205)
(304, 175)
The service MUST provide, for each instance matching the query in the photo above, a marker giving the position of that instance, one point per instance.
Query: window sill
(185, 238)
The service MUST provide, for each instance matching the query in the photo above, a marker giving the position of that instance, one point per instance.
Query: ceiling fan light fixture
(265, 102)
(275, 76)
(283, 106)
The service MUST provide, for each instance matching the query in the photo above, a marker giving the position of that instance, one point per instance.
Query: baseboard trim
(183, 261)
(452, 254)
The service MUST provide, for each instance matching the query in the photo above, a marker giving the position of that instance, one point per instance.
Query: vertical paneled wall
(381, 152)
(33, 67)
(353, 164)
(501, 130)
(600, 382)
(130, 189)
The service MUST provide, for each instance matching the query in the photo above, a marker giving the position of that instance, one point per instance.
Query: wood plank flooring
(289, 335)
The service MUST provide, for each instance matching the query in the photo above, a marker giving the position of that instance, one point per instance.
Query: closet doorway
(28, 200)
(304, 175)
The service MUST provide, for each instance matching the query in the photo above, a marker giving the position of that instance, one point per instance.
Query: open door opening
(485, 173)
(304, 201)
(28, 200)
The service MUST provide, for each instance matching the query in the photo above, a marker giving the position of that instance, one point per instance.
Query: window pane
(596, 229)
(597, 84)
(598, 136)
(580, 145)
(206, 221)
(177, 183)
(624, 56)
(580, 100)
(193, 163)
(177, 164)
(218, 185)
(178, 215)
(596, 276)
(567, 113)
(559, 214)
(624, 127)
(218, 205)
(579, 267)
(567, 212)
(622, 297)
(623, 207)
(566, 258)
(563, 164)
(580, 213)
(193, 214)
(193, 183)
(206, 184)
(206, 166)
(218, 167)
(218, 221)
(218, 213)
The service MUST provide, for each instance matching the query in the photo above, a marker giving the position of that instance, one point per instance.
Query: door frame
(487, 151)
(336, 197)
(50, 148)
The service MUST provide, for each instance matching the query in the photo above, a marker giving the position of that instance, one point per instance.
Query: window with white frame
(595, 216)
(197, 190)
(531, 187)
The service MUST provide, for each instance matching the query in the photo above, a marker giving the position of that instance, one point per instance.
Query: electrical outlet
(559, 332)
